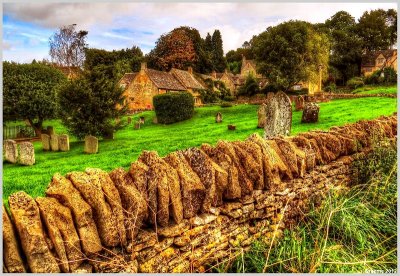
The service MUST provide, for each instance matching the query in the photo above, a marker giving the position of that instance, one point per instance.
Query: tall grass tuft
(352, 231)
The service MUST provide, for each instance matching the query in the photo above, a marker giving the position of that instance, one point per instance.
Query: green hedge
(173, 107)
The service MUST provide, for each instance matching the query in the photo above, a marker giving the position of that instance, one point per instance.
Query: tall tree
(208, 43)
(30, 92)
(218, 59)
(67, 46)
(291, 52)
(378, 29)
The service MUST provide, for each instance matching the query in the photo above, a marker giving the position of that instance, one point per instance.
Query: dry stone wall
(184, 211)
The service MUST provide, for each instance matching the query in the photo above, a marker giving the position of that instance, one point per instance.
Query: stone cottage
(140, 87)
(377, 60)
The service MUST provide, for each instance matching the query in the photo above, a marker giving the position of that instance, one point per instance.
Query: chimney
(214, 74)
(190, 70)
(143, 66)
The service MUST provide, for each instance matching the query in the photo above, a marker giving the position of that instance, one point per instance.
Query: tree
(90, 103)
(291, 52)
(250, 87)
(30, 92)
(218, 59)
(67, 46)
(346, 46)
(378, 29)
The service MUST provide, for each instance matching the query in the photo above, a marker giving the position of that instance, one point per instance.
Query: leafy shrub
(226, 104)
(209, 96)
(270, 88)
(355, 83)
(390, 76)
(374, 78)
(250, 87)
(331, 87)
(173, 107)
(229, 98)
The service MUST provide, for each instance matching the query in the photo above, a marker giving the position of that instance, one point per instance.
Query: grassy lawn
(369, 89)
(129, 143)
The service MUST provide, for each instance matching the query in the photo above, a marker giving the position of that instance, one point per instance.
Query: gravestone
(310, 113)
(117, 120)
(27, 154)
(45, 141)
(91, 144)
(262, 116)
(50, 130)
(63, 142)
(141, 120)
(137, 125)
(129, 120)
(11, 151)
(54, 142)
(218, 117)
(299, 103)
(231, 127)
(155, 120)
(278, 115)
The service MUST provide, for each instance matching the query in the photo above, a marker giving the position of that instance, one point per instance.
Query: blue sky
(27, 27)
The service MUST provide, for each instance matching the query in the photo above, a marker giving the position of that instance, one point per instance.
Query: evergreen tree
(218, 59)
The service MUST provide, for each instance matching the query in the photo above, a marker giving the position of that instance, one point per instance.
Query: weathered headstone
(129, 120)
(54, 142)
(310, 113)
(137, 125)
(63, 142)
(155, 120)
(27, 154)
(299, 103)
(218, 117)
(278, 114)
(50, 130)
(231, 127)
(262, 116)
(11, 151)
(45, 141)
(117, 120)
(141, 120)
(91, 144)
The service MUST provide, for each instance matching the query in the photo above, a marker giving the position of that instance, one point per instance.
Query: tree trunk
(37, 127)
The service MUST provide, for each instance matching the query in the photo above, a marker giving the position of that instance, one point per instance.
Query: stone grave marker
(27, 154)
(231, 127)
(11, 151)
(45, 141)
(155, 120)
(262, 116)
(310, 113)
(63, 142)
(91, 144)
(137, 125)
(299, 103)
(54, 142)
(218, 117)
(141, 120)
(278, 115)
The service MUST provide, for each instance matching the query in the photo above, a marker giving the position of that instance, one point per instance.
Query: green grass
(129, 143)
(373, 89)
(352, 232)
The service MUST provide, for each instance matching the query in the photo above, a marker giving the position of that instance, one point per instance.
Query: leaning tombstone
(27, 154)
(50, 130)
(299, 103)
(141, 119)
(218, 117)
(54, 142)
(91, 144)
(63, 142)
(155, 120)
(11, 151)
(262, 116)
(278, 115)
(45, 141)
(310, 113)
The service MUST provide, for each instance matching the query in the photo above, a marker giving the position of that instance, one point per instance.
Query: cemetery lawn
(129, 143)
(373, 89)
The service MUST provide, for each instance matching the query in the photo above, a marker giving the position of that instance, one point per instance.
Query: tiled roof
(164, 80)
(127, 78)
(251, 62)
(369, 58)
(186, 79)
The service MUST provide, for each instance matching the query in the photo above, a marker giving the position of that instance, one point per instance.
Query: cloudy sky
(27, 27)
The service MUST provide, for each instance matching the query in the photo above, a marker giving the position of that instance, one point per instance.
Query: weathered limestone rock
(45, 141)
(231, 127)
(139, 174)
(113, 198)
(90, 188)
(11, 151)
(299, 103)
(280, 159)
(218, 117)
(54, 142)
(279, 115)
(62, 189)
(295, 158)
(61, 229)
(135, 206)
(11, 253)
(193, 191)
(233, 189)
(91, 144)
(63, 142)
(262, 116)
(174, 230)
(310, 113)
(213, 177)
(30, 230)
(27, 154)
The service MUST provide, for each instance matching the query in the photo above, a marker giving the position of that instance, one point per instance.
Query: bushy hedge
(173, 107)
(386, 76)
(355, 83)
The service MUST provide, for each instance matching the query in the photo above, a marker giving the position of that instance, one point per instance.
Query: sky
(28, 26)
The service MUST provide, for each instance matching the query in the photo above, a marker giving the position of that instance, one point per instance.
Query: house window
(380, 61)
(297, 87)
(368, 69)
